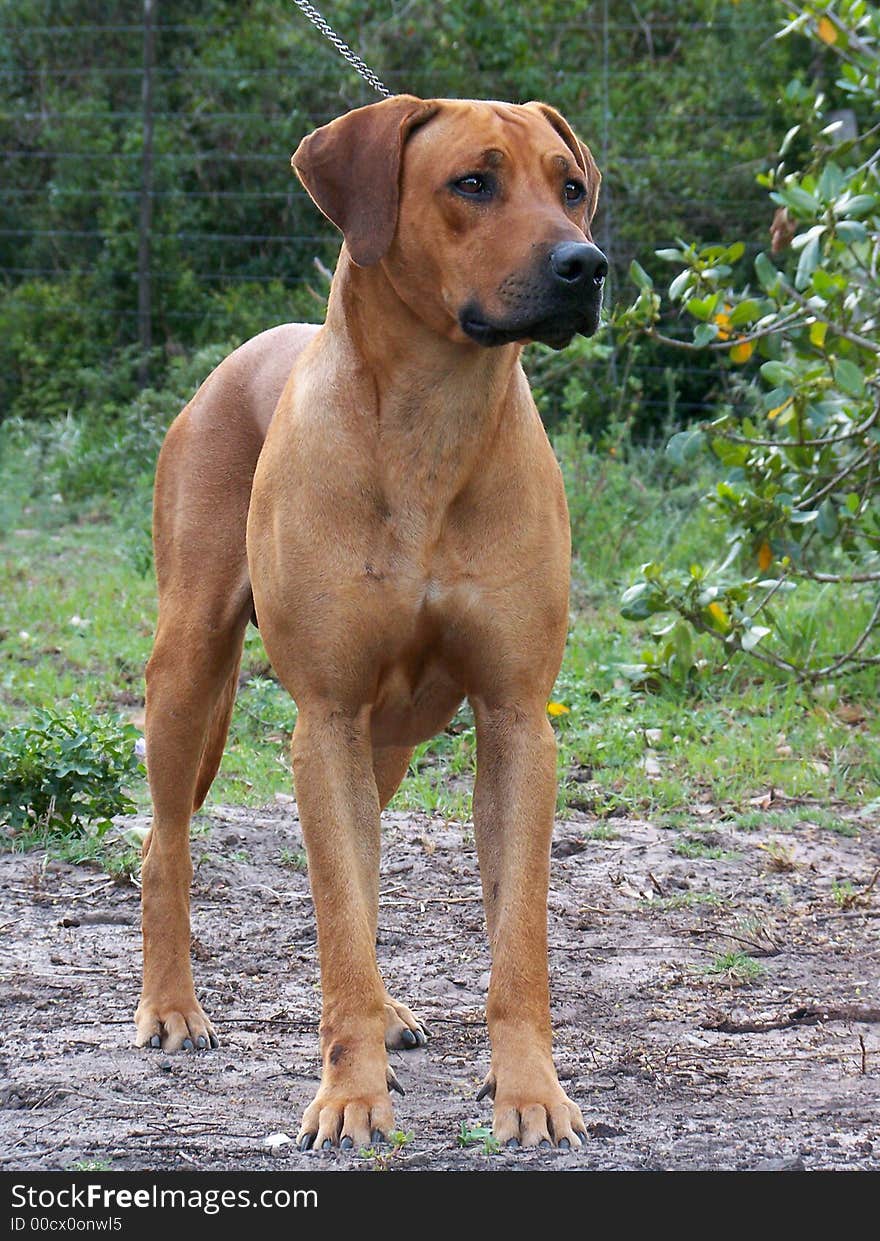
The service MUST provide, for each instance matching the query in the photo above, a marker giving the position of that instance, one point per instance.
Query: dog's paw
(534, 1112)
(403, 1030)
(174, 1027)
(337, 1118)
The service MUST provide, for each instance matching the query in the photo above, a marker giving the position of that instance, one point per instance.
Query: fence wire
(226, 213)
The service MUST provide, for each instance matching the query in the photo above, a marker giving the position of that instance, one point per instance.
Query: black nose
(578, 264)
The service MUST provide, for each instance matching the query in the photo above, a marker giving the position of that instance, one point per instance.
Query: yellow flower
(558, 708)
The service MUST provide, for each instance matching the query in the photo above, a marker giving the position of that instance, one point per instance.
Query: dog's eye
(474, 185)
(574, 192)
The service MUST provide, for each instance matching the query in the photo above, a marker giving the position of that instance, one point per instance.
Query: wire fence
(157, 235)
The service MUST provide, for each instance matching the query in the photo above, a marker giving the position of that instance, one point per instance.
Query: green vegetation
(796, 438)
(80, 616)
(478, 1135)
(64, 772)
(736, 967)
(657, 713)
(234, 238)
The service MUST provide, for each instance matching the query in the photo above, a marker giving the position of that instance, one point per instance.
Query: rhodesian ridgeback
(379, 494)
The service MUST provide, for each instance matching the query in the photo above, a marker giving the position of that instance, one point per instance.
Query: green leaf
(679, 284)
(798, 200)
(639, 276)
(789, 137)
(826, 522)
(826, 284)
(849, 378)
(809, 261)
(859, 205)
(641, 601)
(850, 230)
(746, 312)
(704, 333)
(831, 181)
(766, 273)
(777, 373)
(701, 307)
(685, 446)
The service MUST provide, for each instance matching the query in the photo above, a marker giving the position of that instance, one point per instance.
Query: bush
(65, 773)
(798, 437)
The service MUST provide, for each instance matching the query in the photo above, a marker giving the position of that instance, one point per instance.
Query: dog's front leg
(339, 811)
(514, 805)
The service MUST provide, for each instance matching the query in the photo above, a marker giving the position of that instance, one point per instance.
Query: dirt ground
(674, 1067)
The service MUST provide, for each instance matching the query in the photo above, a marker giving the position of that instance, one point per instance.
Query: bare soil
(674, 1067)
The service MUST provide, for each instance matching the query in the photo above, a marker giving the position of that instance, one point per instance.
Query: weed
(831, 822)
(738, 967)
(688, 900)
(844, 893)
(780, 857)
(382, 1159)
(692, 847)
(478, 1135)
(602, 831)
(63, 773)
(294, 859)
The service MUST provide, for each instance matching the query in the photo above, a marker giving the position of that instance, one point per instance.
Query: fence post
(606, 238)
(145, 310)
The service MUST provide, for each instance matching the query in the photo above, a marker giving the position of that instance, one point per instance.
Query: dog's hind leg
(200, 511)
(191, 683)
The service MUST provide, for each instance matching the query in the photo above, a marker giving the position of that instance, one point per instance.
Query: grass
(80, 612)
(736, 967)
(688, 900)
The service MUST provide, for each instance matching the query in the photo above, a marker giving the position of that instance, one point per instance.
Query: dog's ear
(579, 150)
(351, 169)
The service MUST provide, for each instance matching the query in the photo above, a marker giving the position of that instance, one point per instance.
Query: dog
(379, 495)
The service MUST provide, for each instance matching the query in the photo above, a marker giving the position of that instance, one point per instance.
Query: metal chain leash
(342, 48)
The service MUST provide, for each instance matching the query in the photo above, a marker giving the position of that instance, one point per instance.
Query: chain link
(342, 47)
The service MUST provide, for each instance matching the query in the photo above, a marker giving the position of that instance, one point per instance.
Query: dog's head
(479, 213)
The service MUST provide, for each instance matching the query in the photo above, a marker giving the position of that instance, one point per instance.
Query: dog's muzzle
(560, 299)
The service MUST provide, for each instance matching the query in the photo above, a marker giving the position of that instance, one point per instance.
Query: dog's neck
(438, 402)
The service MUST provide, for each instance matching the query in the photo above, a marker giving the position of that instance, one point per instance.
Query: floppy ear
(351, 169)
(579, 150)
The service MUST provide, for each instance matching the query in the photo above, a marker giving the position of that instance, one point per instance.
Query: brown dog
(380, 493)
